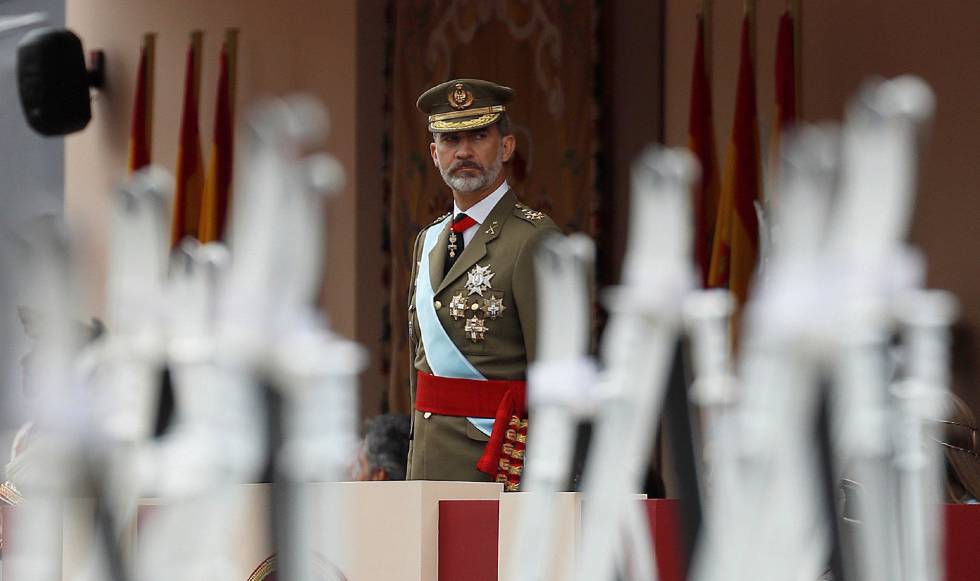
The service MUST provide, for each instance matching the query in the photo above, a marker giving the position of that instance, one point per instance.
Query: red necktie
(461, 223)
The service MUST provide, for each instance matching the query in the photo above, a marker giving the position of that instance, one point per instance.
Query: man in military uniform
(472, 304)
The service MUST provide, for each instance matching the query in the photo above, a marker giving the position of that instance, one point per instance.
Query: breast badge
(475, 312)
(475, 329)
(493, 307)
(478, 280)
(457, 306)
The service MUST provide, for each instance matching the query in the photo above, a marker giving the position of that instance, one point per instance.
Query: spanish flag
(786, 89)
(736, 242)
(217, 186)
(141, 128)
(701, 141)
(190, 171)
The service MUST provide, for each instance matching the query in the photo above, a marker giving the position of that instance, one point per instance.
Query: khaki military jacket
(446, 447)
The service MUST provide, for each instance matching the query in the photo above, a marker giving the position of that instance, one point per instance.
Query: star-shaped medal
(493, 306)
(478, 279)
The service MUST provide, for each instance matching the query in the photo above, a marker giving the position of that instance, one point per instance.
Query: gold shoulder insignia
(9, 494)
(439, 219)
(528, 214)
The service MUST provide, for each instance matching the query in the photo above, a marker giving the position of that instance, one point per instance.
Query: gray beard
(468, 184)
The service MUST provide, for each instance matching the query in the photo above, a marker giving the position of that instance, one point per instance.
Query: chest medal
(478, 280)
(475, 329)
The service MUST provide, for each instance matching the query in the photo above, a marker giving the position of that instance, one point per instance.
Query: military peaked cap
(464, 104)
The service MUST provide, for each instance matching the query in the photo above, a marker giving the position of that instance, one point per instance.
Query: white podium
(568, 533)
(390, 529)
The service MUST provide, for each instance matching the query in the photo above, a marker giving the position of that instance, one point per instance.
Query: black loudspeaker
(53, 81)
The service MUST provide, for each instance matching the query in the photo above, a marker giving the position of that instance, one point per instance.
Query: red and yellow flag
(190, 167)
(736, 243)
(786, 96)
(141, 128)
(701, 141)
(786, 89)
(217, 186)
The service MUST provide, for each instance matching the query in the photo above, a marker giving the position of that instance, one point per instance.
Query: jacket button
(427, 415)
(438, 305)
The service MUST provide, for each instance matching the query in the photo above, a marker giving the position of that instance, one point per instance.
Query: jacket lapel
(477, 248)
(437, 257)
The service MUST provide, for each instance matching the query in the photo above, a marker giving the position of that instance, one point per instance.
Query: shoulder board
(440, 218)
(437, 220)
(532, 216)
(9, 494)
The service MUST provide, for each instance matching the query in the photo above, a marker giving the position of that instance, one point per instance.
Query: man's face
(470, 161)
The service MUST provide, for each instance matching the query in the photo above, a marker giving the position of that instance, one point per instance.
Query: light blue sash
(444, 358)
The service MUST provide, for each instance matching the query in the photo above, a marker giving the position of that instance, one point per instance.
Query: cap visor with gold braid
(464, 104)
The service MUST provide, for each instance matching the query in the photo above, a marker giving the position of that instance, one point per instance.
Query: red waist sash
(504, 401)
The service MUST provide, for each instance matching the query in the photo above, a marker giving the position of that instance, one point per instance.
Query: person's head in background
(962, 456)
(384, 453)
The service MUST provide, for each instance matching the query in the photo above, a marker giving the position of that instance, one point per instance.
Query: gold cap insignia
(460, 97)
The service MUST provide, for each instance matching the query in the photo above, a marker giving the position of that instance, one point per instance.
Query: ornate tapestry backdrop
(545, 51)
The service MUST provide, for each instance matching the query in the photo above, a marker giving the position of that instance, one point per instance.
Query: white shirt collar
(480, 210)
